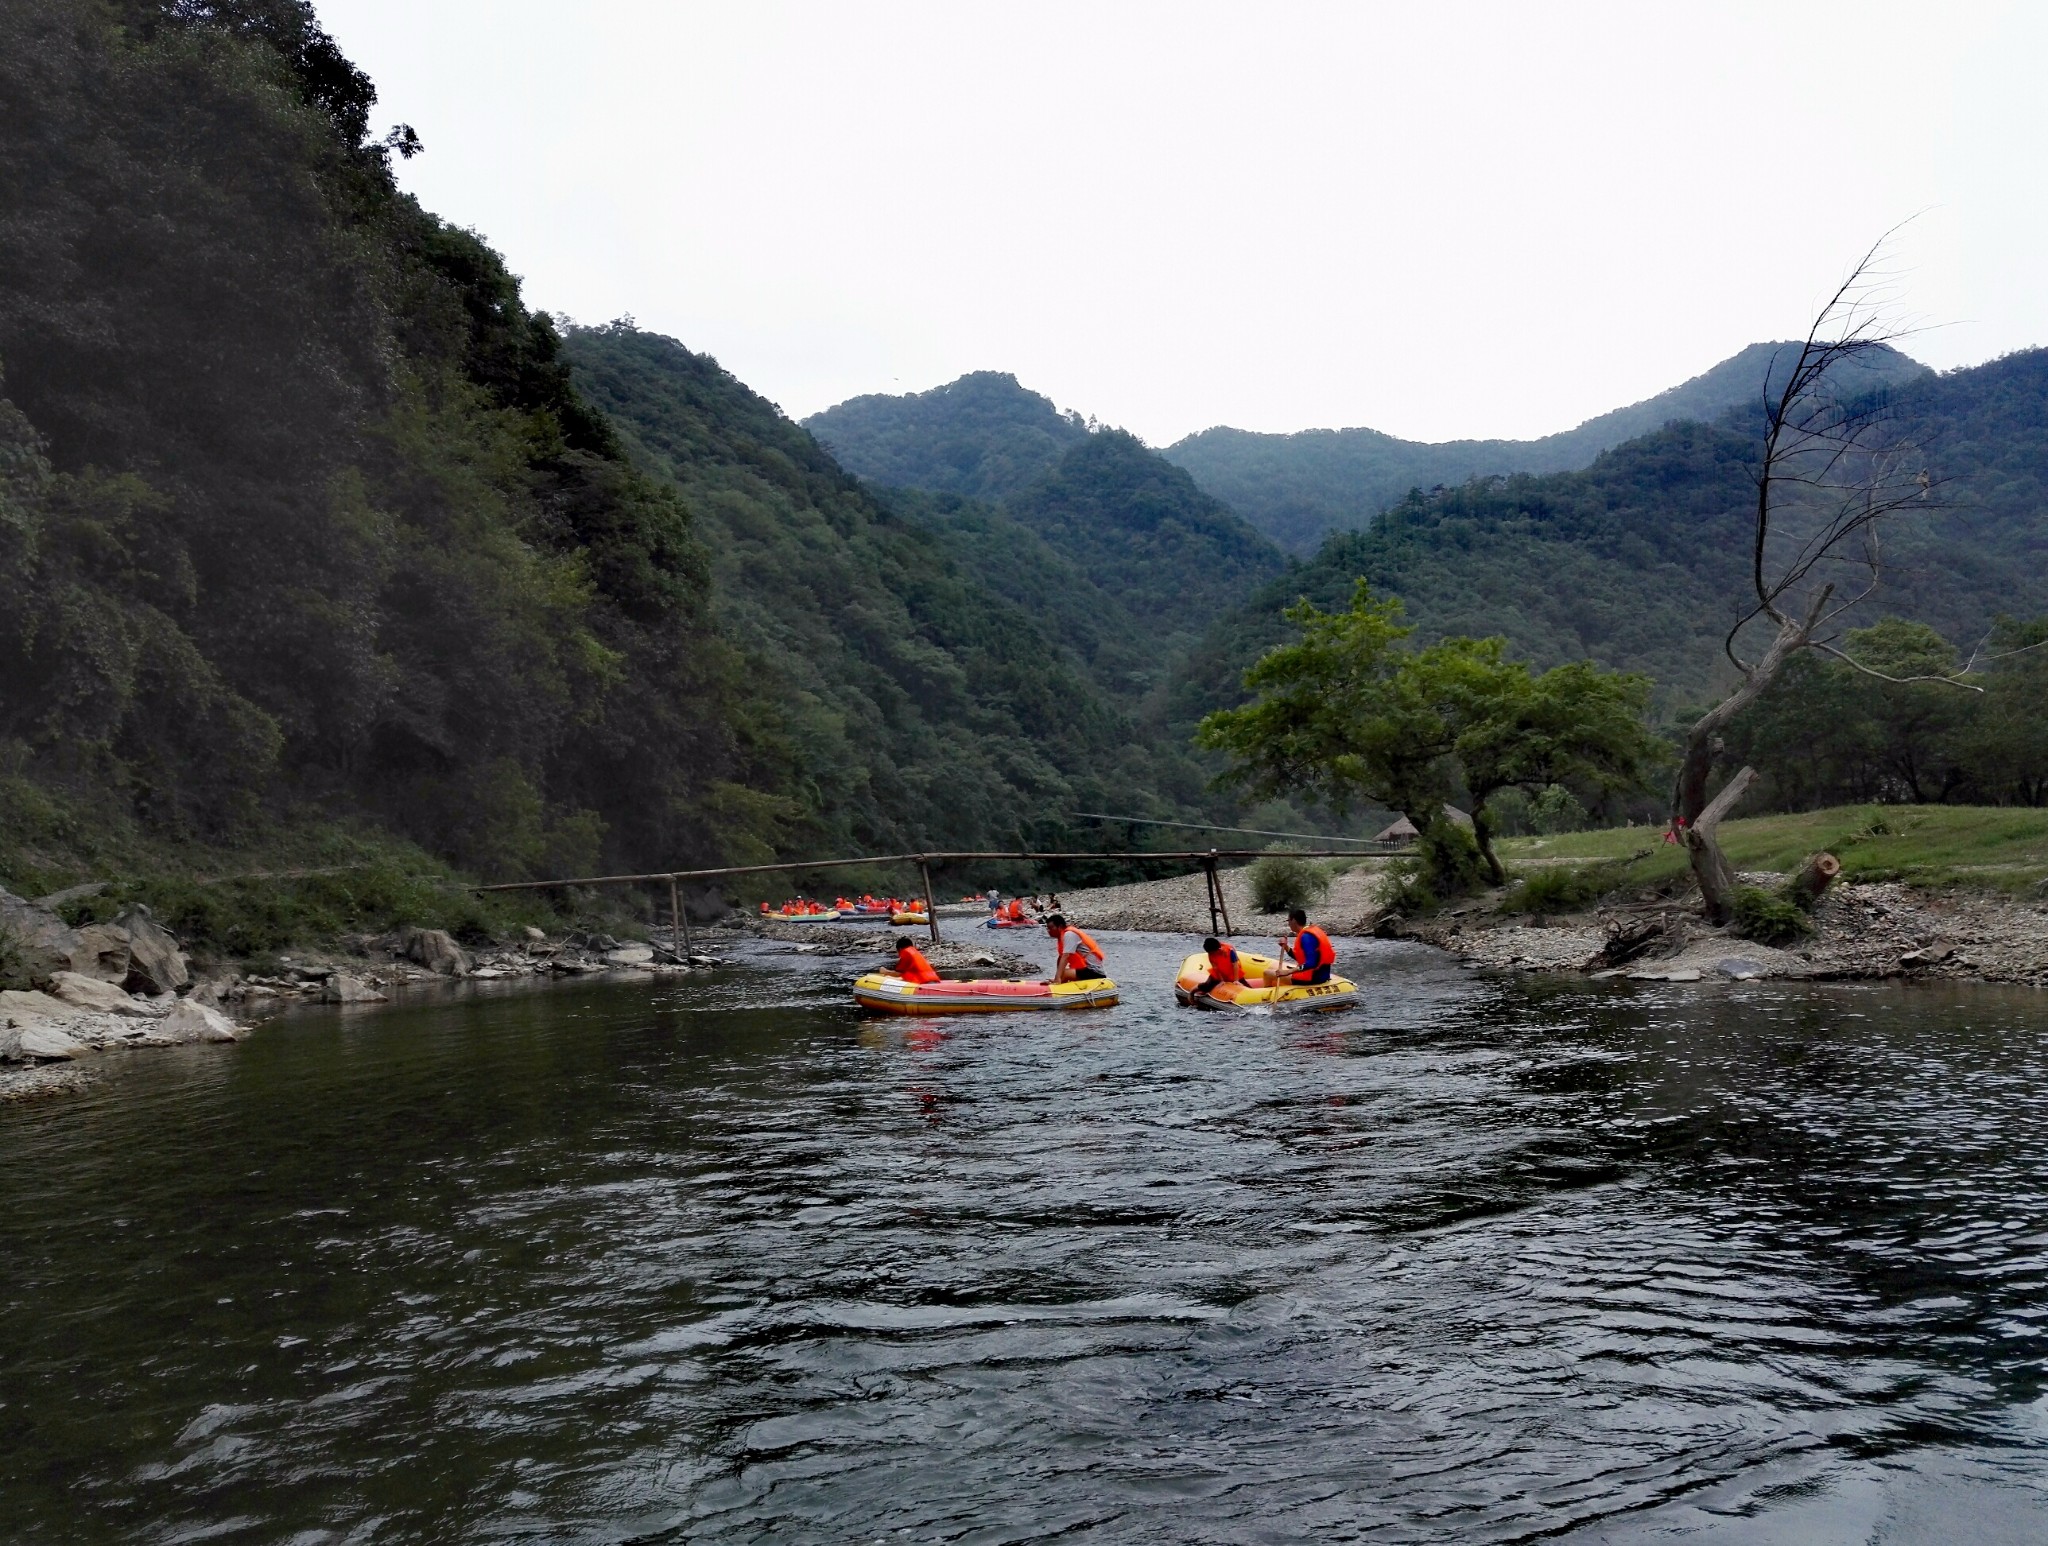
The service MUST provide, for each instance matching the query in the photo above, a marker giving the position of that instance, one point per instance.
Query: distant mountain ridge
(987, 436)
(1299, 488)
(1640, 561)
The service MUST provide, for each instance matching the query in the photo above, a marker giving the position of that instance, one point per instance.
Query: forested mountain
(303, 518)
(1119, 550)
(1640, 560)
(923, 697)
(1298, 488)
(984, 436)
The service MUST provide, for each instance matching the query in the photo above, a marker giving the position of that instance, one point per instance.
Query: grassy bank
(289, 883)
(1981, 847)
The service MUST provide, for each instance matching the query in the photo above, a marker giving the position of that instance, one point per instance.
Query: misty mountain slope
(1297, 488)
(1640, 561)
(984, 436)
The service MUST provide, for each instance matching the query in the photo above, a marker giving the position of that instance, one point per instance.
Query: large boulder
(43, 942)
(36, 1028)
(155, 963)
(344, 989)
(195, 1022)
(105, 952)
(435, 949)
(97, 994)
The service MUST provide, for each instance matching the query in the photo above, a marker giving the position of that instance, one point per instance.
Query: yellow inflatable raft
(907, 918)
(886, 993)
(1337, 993)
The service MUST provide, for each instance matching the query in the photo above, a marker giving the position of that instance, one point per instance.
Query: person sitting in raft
(911, 965)
(1224, 966)
(1015, 910)
(1310, 949)
(1076, 957)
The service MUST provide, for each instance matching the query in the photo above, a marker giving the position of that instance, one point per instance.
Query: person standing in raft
(1224, 966)
(1310, 950)
(911, 965)
(1075, 957)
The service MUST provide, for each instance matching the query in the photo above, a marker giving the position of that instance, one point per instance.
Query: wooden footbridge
(1206, 859)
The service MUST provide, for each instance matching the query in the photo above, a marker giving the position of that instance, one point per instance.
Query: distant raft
(1337, 993)
(907, 918)
(886, 993)
(1013, 923)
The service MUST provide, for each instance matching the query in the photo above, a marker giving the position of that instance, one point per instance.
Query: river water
(713, 1259)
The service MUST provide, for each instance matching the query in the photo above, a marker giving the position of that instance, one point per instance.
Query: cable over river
(711, 1259)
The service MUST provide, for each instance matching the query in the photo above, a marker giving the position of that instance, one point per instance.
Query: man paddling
(911, 965)
(1310, 950)
(1075, 957)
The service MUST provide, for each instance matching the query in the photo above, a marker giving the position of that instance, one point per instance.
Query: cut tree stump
(1814, 877)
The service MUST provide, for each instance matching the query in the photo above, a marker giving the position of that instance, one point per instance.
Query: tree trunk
(1709, 865)
(1814, 877)
(1690, 810)
(1482, 834)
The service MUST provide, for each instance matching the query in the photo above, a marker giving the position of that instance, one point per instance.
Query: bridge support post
(931, 911)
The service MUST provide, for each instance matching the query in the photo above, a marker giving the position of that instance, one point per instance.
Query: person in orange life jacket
(1015, 910)
(1311, 949)
(1224, 965)
(1076, 957)
(911, 965)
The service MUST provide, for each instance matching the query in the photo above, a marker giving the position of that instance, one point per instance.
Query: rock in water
(155, 963)
(96, 993)
(195, 1022)
(435, 949)
(630, 955)
(344, 989)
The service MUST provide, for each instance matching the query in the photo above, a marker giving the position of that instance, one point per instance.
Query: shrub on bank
(1769, 919)
(1280, 881)
(1563, 888)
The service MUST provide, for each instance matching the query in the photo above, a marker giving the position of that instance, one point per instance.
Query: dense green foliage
(1299, 488)
(1351, 711)
(1827, 734)
(1769, 919)
(984, 436)
(1280, 881)
(1641, 560)
(300, 508)
(921, 698)
(305, 519)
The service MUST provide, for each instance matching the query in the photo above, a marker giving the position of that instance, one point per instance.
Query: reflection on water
(717, 1260)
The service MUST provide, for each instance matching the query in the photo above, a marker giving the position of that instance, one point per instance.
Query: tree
(1349, 712)
(1833, 468)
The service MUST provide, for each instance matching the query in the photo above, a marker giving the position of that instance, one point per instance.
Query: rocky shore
(128, 984)
(1880, 930)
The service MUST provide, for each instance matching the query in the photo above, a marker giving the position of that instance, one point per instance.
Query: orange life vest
(1084, 947)
(1223, 964)
(911, 966)
(1319, 945)
(1016, 908)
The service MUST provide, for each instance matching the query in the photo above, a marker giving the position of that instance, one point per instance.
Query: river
(714, 1259)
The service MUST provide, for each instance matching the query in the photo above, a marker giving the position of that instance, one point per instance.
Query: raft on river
(886, 993)
(1337, 993)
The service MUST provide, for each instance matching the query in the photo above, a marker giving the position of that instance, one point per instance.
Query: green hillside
(984, 436)
(1639, 560)
(1298, 488)
(921, 697)
(316, 546)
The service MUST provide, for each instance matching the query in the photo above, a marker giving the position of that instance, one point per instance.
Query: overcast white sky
(1439, 220)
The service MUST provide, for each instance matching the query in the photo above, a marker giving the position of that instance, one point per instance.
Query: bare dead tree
(1835, 467)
